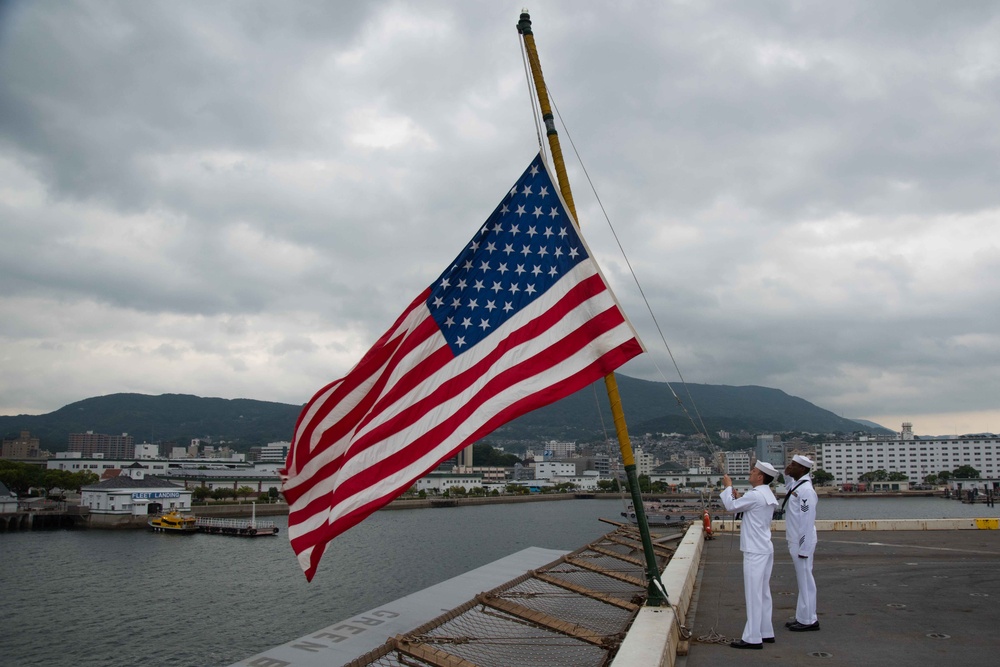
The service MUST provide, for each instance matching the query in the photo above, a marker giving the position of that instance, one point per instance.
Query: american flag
(521, 318)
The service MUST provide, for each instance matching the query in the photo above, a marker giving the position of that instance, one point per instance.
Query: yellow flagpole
(656, 595)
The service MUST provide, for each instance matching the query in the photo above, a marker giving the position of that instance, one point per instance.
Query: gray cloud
(237, 199)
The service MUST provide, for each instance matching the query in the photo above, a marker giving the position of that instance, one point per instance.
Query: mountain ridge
(650, 407)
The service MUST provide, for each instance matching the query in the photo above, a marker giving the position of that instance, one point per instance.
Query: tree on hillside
(484, 454)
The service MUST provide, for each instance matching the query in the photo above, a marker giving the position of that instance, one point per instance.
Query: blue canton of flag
(524, 247)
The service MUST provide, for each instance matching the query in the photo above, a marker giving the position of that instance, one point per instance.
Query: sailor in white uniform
(800, 530)
(757, 506)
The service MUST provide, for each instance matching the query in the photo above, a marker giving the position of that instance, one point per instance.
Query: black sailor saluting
(800, 531)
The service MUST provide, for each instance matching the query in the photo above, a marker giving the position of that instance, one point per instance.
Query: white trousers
(757, 591)
(805, 608)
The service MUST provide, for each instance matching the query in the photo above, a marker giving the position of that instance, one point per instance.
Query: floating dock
(236, 527)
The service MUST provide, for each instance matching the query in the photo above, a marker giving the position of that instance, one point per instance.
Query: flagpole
(655, 593)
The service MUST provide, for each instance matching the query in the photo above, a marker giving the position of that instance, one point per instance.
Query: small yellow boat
(173, 522)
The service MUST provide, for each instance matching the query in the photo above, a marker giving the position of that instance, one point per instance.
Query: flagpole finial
(524, 25)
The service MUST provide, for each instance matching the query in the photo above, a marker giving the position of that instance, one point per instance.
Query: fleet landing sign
(152, 495)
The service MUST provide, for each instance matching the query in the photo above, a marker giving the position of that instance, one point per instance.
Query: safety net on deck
(574, 611)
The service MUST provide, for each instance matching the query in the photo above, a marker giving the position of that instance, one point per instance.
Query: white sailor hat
(803, 461)
(766, 468)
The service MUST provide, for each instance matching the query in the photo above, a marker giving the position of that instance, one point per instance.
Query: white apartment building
(738, 464)
(915, 458)
(147, 451)
(98, 465)
(644, 463)
(586, 482)
(551, 469)
(438, 482)
(274, 452)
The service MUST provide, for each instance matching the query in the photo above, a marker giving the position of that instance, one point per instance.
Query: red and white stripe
(411, 403)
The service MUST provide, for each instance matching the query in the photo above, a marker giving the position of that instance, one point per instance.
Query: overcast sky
(235, 199)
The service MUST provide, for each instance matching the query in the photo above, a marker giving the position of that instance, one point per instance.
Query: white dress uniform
(757, 506)
(800, 530)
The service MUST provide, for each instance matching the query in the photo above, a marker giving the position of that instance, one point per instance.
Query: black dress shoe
(790, 623)
(768, 640)
(739, 643)
(802, 627)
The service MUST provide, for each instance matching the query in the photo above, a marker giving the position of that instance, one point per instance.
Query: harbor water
(87, 598)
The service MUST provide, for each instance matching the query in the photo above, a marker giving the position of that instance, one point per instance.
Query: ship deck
(901, 597)
(890, 592)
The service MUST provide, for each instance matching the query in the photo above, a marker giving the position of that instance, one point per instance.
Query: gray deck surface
(884, 598)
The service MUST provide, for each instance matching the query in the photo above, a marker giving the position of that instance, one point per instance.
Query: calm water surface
(117, 599)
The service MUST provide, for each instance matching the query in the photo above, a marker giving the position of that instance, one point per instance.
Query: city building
(771, 449)
(490, 474)
(737, 464)
(585, 482)
(22, 447)
(558, 450)
(914, 457)
(113, 446)
(644, 463)
(553, 469)
(75, 462)
(601, 463)
(461, 462)
(439, 482)
(274, 452)
(147, 451)
(134, 493)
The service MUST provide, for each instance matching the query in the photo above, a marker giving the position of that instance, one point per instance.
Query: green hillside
(242, 423)
(174, 418)
(651, 407)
